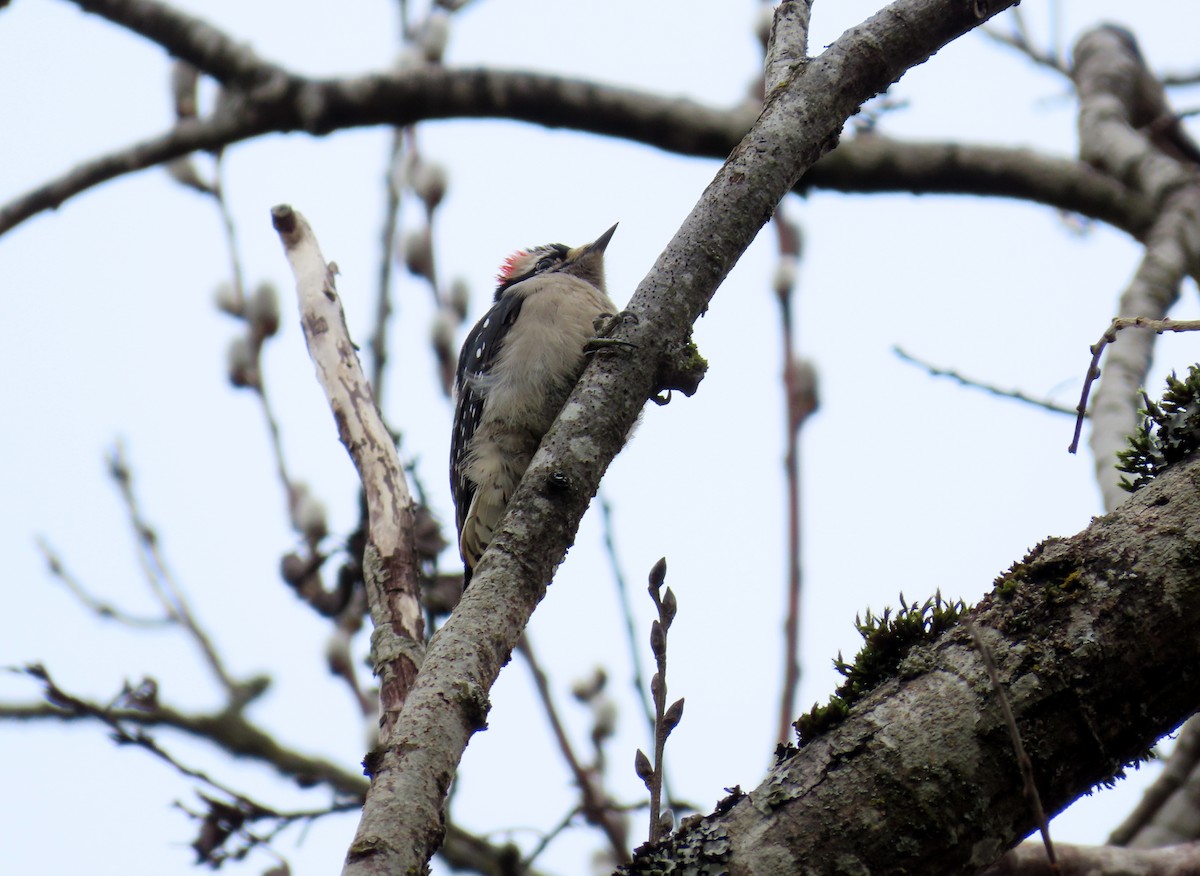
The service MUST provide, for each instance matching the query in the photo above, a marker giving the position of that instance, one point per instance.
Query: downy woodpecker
(515, 371)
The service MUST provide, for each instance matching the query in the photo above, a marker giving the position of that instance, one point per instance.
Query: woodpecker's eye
(545, 264)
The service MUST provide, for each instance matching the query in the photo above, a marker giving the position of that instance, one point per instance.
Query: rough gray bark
(1095, 639)
(800, 121)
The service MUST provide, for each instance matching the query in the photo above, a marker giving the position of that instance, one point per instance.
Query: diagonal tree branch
(402, 817)
(921, 774)
(389, 559)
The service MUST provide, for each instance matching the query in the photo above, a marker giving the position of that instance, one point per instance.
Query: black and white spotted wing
(478, 355)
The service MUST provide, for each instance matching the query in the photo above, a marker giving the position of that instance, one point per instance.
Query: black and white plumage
(517, 367)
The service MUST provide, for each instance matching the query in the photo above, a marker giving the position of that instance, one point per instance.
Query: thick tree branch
(402, 820)
(873, 164)
(867, 164)
(1074, 627)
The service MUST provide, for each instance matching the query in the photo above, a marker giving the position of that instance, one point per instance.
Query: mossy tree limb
(921, 776)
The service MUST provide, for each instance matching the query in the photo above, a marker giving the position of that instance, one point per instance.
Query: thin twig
(594, 807)
(1121, 322)
(1014, 394)
(240, 738)
(260, 327)
(276, 436)
(231, 239)
(387, 255)
(1014, 733)
(229, 731)
(70, 703)
(1020, 40)
(1056, 32)
(65, 701)
(1180, 79)
(95, 605)
(639, 675)
(798, 405)
(158, 575)
(545, 841)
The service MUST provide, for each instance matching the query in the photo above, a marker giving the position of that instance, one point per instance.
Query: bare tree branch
(874, 163)
(402, 820)
(800, 401)
(389, 561)
(166, 588)
(635, 654)
(236, 736)
(1158, 326)
(1020, 40)
(227, 729)
(1119, 103)
(787, 44)
(1029, 859)
(99, 607)
(594, 805)
(1074, 626)
(867, 164)
(1014, 394)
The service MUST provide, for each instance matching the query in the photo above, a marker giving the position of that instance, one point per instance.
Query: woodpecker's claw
(604, 325)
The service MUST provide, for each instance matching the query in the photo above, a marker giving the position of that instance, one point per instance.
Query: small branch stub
(1122, 322)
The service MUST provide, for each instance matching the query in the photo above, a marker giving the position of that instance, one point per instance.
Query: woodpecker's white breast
(542, 355)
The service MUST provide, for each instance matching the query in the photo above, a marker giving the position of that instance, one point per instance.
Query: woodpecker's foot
(604, 325)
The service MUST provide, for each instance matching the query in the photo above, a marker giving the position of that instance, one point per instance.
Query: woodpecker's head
(585, 262)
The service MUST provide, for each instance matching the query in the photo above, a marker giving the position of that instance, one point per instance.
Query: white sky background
(911, 484)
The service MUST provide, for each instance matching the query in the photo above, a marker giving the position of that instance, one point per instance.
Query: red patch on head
(509, 265)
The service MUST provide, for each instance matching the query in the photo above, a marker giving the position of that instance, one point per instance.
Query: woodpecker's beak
(587, 262)
(601, 243)
(595, 249)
